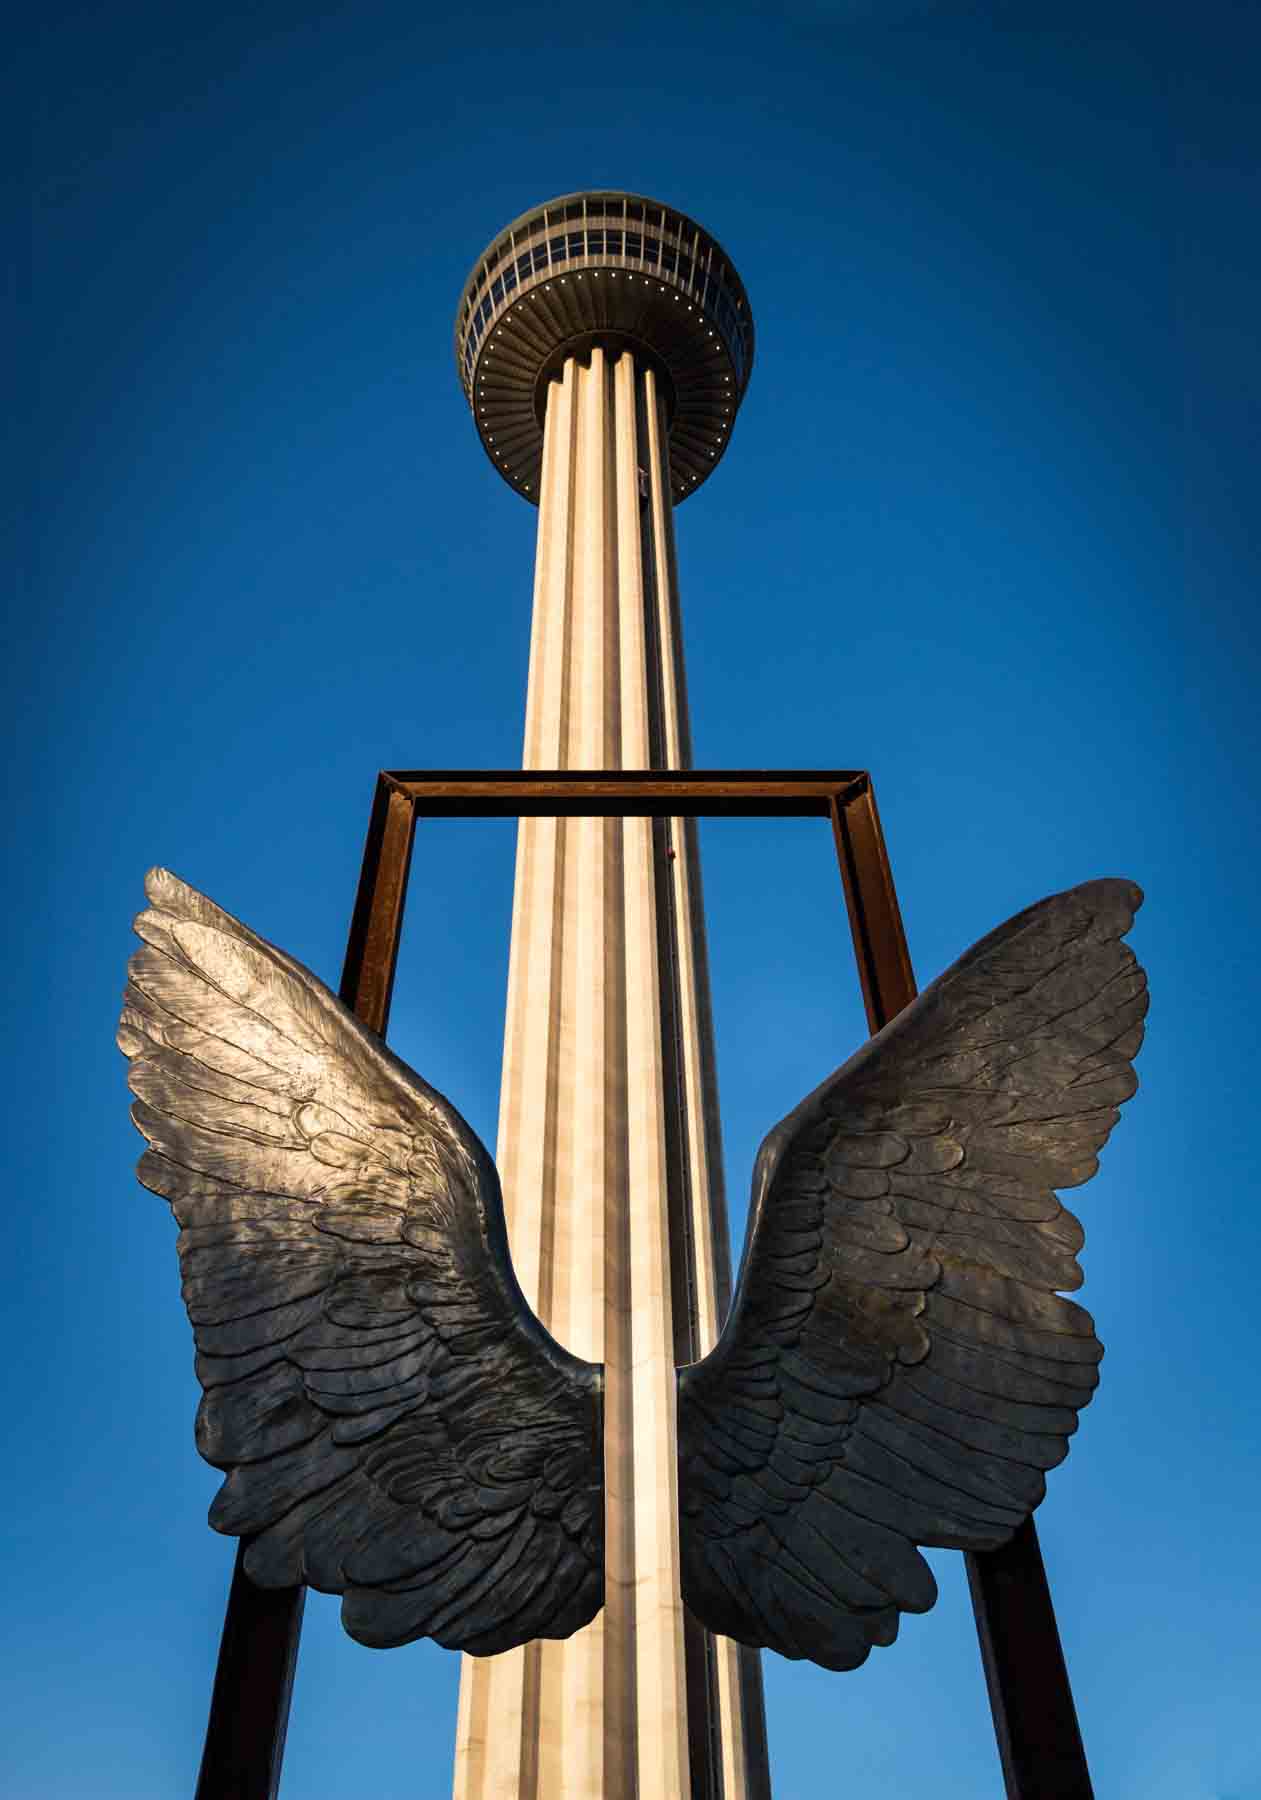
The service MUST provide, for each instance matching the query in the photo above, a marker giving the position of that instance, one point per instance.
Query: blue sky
(987, 527)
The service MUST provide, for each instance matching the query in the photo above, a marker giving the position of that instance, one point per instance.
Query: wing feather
(901, 1367)
(394, 1423)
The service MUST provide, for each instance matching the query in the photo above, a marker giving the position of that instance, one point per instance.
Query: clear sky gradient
(987, 527)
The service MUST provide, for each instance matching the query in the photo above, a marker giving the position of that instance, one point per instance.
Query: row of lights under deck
(547, 288)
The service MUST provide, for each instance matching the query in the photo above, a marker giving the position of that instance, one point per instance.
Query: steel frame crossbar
(1035, 1721)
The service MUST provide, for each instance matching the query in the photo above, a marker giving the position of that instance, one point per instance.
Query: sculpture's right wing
(396, 1424)
(900, 1366)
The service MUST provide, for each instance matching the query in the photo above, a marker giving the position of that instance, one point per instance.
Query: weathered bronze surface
(1031, 1698)
(396, 1425)
(899, 1367)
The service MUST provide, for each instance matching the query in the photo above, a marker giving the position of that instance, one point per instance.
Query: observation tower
(604, 343)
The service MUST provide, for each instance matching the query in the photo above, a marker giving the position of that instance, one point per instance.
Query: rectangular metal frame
(1035, 1721)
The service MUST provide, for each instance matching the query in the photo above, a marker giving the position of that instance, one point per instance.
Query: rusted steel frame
(875, 920)
(376, 924)
(249, 1704)
(1035, 1721)
(625, 793)
(258, 1652)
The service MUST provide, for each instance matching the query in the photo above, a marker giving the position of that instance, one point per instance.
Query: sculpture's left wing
(899, 1367)
(396, 1424)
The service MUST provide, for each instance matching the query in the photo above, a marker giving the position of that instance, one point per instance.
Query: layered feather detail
(395, 1424)
(900, 1367)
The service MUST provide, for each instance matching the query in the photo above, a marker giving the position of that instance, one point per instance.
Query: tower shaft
(608, 1131)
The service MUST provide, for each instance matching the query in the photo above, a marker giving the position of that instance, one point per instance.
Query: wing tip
(167, 898)
(170, 893)
(172, 901)
(1115, 892)
(161, 884)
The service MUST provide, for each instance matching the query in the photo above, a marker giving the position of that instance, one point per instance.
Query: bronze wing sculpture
(898, 1367)
(396, 1425)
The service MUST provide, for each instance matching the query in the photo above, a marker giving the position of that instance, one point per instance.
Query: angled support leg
(1035, 1721)
(258, 1653)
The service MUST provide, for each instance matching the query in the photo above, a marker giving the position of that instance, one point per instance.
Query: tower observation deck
(604, 343)
(615, 271)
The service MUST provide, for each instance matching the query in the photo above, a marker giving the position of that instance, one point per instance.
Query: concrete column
(608, 1139)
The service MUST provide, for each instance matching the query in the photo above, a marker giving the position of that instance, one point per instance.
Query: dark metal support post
(1035, 1721)
(249, 1705)
(377, 922)
(258, 1653)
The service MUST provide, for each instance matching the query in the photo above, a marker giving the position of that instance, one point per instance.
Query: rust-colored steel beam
(625, 793)
(1035, 1721)
(249, 1704)
(376, 925)
(875, 919)
(258, 1652)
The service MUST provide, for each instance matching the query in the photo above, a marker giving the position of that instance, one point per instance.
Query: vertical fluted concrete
(608, 1144)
